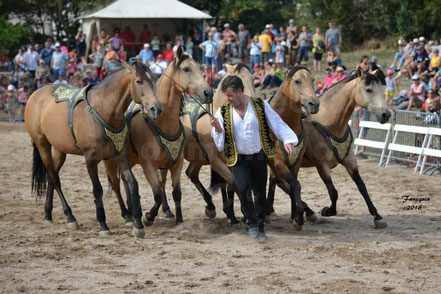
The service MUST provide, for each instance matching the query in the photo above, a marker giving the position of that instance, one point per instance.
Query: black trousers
(250, 172)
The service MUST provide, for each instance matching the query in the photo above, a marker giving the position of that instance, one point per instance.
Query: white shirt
(158, 67)
(246, 130)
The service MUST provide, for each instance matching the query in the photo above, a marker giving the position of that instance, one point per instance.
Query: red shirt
(228, 36)
(128, 37)
(168, 55)
(146, 36)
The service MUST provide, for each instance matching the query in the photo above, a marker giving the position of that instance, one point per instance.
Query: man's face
(304, 29)
(233, 97)
(331, 25)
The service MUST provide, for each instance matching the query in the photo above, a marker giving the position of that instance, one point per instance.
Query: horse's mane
(178, 64)
(240, 66)
(290, 72)
(141, 70)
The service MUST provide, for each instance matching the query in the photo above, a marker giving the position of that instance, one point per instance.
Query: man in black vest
(241, 127)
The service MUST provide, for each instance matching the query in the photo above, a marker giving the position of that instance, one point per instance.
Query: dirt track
(346, 254)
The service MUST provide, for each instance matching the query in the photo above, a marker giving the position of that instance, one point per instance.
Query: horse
(91, 125)
(157, 144)
(328, 138)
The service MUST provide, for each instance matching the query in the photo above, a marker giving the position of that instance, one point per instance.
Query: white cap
(415, 40)
(213, 29)
(11, 88)
(291, 20)
(267, 26)
(227, 25)
(422, 39)
(415, 77)
(146, 45)
(57, 44)
(400, 42)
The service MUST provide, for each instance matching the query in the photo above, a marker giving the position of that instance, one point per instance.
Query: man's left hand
(290, 149)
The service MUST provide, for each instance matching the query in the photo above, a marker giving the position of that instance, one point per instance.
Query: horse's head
(298, 86)
(186, 73)
(143, 88)
(244, 73)
(369, 94)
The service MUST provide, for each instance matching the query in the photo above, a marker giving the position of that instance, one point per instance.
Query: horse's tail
(39, 173)
(216, 182)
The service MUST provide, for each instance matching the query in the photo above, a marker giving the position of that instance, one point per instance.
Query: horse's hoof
(210, 213)
(274, 214)
(327, 211)
(380, 224)
(104, 233)
(129, 224)
(138, 233)
(169, 214)
(73, 225)
(312, 218)
(48, 221)
(147, 222)
(233, 221)
(296, 226)
(268, 218)
(179, 221)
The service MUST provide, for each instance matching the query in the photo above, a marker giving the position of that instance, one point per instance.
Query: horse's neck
(336, 109)
(112, 102)
(290, 114)
(170, 97)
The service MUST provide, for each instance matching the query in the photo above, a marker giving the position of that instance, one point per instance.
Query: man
(265, 39)
(243, 42)
(159, 66)
(129, 38)
(146, 54)
(292, 26)
(31, 60)
(333, 39)
(211, 51)
(46, 52)
(229, 38)
(59, 62)
(216, 34)
(246, 120)
(305, 39)
(60, 80)
(420, 60)
(146, 35)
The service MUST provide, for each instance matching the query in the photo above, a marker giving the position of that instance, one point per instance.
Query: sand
(344, 254)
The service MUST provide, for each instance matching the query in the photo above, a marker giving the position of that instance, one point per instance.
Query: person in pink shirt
(417, 94)
(116, 41)
(340, 74)
(229, 37)
(328, 81)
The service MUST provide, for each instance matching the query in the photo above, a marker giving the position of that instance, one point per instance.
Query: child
(71, 68)
(391, 87)
(12, 102)
(22, 98)
(280, 54)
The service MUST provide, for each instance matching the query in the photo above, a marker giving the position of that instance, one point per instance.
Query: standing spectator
(168, 53)
(196, 37)
(19, 59)
(155, 45)
(293, 46)
(80, 39)
(391, 87)
(318, 49)
(216, 34)
(333, 39)
(189, 46)
(292, 26)
(229, 38)
(17, 74)
(95, 43)
(255, 53)
(280, 54)
(98, 60)
(221, 52)
(146, 35)
(179, 37)
(103, 37)
(146, 54)
(211, 49)
(31, 60)
(244, 39)
(46, 52)
(59, 61)
(129, 38)
(111, 62)
(116, 41)
(159, 66)
(305, 39)
(122, 54)
(179, 43)
(266, 41)
(416, 95)
(11, 102)
(23, 95)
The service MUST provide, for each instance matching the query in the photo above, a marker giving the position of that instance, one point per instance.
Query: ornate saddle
(73, 95)
(294, 159)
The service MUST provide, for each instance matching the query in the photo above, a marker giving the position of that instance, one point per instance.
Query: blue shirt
(146, 55)
(46, 55)
(210, 48)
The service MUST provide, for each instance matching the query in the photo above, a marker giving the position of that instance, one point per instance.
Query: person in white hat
(11, 102)
(146, 54)
(229, 38)
(216, 34)
(416, 95)
(59, 61)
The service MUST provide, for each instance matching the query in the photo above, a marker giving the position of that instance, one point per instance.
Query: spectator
(221, 54)
(333, 39)
(416, 95)
(293, 46)
(23, 95)
(374, 65)
(216, 34)
(19, 59)
(146, 54)
(179, 37)
(280, 54)
(4, 61)
(364, 64)
(77, 80)
(11, 102)
(196, 37)
(318, 49)
(155, 45)
(42, 71)
(229, 38)
(274, 77)
(92, 77)
(98, 61)
(391, 87)
(211, 49)
(111, 62)
(179, 43)
(432, 103)
(244, 40)
(208, 73)
(103, 37)
(305, 39)
(46, 52)
(424, 78)
(122, 53)
(146, 35)
(116, 41)
(168, 53)
(340, 74)
(59, 61)
(189, 46)
(95, 43)
(292, 26)
(129, 39)
(328, 81)
(80, 39)
(71, 68)
(420, 61)
(422, 42)
(159, 66)
(435, 62)
(255, 53)
(265, 39)
(399, 54)
(31, 60)
(258, 75)
(37, 48)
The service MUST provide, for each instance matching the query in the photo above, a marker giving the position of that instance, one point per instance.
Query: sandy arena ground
(346, 254)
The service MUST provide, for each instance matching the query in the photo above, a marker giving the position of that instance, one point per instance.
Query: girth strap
(194, 117)
(294, 159)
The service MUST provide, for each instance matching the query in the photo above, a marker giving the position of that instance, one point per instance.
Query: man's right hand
(215, 123)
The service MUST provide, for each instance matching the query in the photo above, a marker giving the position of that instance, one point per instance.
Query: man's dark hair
(232, 81)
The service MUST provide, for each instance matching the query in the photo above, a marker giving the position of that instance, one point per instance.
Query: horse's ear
(130, 68)
(180, 52)
(379, 74)
(230, 68)
(359, 72)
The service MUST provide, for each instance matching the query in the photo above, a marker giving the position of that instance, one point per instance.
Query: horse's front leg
(165, 207)
(176, 171)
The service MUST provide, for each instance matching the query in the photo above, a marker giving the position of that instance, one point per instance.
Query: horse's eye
(369, 91)
(139, 81)
(186, 69)
(297, 82)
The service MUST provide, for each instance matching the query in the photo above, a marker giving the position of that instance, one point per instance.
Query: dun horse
(157, 144)
(328, 138)
(89, 122)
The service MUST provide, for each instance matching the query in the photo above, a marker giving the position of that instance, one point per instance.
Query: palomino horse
(94, 128)
(157, 144)
(328, 139)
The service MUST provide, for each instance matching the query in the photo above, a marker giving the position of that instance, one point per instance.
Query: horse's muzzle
(383, 117)
(155, 111)
(313, 107)
(208, 95)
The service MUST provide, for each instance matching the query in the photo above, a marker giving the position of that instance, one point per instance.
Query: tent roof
(148, 9)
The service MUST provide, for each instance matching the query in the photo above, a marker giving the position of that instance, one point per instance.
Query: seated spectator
(426, 82)
(122, 53)
(92, 77)
(333, 59)
(398, 55)
(432, 103)
(435, 62)
(340, 74)
(42, 71)
(168, 53)
(328, 81)
(159, 66)
(274, 77)
(374, 64)
(420, 61)
(60, 80)
(77, 80)
(416, 95)
(111, 62)
(364, 64)
(17, 74)
(71, 68)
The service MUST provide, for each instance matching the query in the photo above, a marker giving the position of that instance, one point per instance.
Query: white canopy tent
(162, 16)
